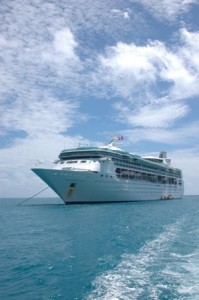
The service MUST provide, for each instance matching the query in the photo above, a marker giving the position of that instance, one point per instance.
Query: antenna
(163, 154)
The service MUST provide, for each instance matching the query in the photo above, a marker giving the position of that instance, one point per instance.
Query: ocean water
(139, 250)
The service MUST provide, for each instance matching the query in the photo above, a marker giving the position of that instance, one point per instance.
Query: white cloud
(3, 42)
(152, 78)
(189, 52)
(187, 134)
(181, 66)
(65, 43)
(61, 50)
(30, 87)
(152, 115)
(124, 14)
(39, 116)
(128, 67)
(167, 9)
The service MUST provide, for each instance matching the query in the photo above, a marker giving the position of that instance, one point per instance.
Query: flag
(120, 138)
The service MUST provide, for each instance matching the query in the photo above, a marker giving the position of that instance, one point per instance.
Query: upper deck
(157, 165)
(95, 152)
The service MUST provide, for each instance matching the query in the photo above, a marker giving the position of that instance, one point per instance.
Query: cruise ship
(109, 174)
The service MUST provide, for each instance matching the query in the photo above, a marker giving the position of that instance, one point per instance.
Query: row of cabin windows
(141, 177)
(132, 174)
(136, 165)
(76, 161)
(156, 171)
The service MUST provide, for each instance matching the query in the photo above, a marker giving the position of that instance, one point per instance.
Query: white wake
(153, 272)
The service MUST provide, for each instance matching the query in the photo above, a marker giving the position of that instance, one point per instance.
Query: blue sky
(83, 71)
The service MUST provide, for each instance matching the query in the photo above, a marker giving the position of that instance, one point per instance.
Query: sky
(81, 72)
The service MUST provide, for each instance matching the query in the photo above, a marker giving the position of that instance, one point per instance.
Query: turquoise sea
(140, 250)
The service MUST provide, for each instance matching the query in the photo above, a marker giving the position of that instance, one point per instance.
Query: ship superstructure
(109, 174)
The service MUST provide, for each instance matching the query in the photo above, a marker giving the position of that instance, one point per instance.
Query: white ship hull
(91, 187)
